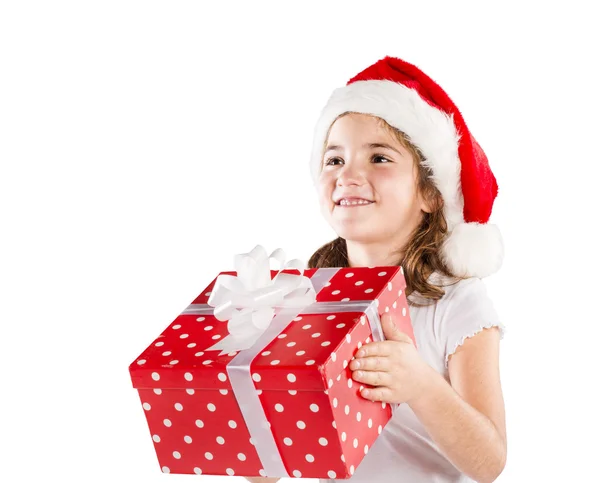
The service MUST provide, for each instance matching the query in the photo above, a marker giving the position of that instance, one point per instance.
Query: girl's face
(368, 184)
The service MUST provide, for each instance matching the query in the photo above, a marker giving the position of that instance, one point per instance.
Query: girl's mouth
(349, 202)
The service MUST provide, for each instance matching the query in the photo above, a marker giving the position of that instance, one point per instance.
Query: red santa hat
(409, 100)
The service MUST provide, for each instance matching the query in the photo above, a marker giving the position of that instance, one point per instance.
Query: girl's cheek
(394, 182)
(324, 197)
(325, 186)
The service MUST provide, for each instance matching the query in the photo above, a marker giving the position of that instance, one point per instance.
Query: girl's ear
(430, 202)
(425, 205)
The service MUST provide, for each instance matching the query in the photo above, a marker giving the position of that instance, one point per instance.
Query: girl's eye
(376, 158)
(381, 157)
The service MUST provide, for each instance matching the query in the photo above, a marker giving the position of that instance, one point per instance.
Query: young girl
(403, 182)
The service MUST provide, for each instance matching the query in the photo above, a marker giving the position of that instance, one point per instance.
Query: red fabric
(479, 185)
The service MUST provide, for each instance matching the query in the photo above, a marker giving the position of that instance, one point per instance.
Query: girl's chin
(357, 232)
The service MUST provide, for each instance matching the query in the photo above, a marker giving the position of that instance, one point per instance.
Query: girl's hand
(393, 367)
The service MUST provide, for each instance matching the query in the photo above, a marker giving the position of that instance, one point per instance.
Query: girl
(403, 182)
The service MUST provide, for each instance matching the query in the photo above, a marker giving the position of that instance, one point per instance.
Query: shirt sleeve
(469, 310)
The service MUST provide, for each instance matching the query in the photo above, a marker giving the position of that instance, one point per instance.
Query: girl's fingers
(373, 378)
(378, 394)
(374, 363)
(381, 348)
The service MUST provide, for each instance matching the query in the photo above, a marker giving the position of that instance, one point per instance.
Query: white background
(143, 144)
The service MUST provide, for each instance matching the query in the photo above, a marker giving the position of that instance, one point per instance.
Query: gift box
(280, 401)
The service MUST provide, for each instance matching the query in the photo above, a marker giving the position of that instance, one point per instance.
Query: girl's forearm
(467, 437)
(259, 479)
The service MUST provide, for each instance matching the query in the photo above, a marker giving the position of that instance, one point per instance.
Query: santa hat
(413, 103)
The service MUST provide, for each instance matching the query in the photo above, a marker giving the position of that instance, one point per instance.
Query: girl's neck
(372, 255)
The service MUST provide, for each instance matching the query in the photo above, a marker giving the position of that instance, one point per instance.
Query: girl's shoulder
(462, 288)
(465, 296)
(465, 310)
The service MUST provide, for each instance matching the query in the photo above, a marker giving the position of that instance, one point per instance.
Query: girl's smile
(350, 202)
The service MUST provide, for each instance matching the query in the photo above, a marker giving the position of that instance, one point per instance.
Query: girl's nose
(351, 175)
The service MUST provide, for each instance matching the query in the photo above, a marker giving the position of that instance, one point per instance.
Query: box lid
(307, 355)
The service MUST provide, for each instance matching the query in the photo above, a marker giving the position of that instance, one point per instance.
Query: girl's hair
(422, 253)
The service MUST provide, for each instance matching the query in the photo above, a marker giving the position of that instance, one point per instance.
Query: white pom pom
(474, 249)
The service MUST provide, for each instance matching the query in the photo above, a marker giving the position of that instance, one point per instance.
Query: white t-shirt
(404, 452)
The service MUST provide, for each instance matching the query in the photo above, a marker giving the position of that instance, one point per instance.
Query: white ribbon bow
(248, 300)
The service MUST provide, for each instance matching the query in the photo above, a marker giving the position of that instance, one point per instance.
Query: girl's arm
(466, 419)
(261, 480)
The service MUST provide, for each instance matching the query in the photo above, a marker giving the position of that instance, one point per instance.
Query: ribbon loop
(249, 299)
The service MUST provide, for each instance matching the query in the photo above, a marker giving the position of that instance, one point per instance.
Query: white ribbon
(249, 300)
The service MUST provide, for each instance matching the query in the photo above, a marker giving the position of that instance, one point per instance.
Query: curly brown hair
(422, 253)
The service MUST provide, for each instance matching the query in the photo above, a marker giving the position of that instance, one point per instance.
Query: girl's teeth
(354, 202)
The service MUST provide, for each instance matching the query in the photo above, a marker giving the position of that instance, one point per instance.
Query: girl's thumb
(389, 328)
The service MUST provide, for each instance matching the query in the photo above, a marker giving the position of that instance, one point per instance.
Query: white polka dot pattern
(302, 379)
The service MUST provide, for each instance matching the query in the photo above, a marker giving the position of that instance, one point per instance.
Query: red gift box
(295, 404)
